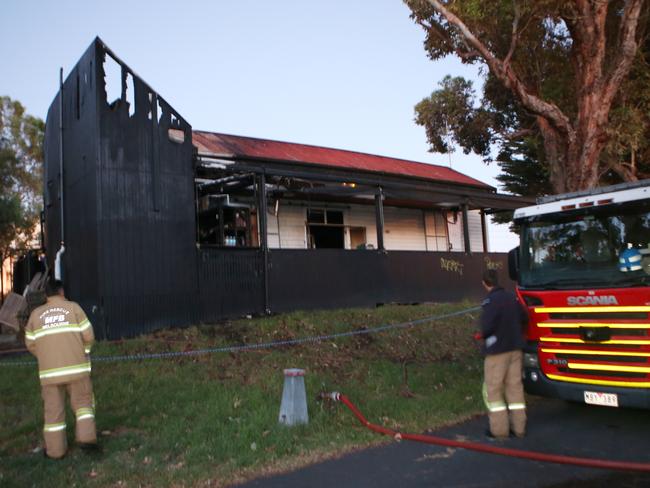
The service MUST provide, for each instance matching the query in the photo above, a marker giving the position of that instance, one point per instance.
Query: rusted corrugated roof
(226, 145)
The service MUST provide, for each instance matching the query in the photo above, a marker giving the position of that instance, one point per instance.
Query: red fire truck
(583, 271)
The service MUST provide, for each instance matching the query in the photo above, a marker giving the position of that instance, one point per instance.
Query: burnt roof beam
(227, 182)
(475, 197)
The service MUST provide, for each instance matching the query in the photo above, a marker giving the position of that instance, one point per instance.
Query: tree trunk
(555, 152)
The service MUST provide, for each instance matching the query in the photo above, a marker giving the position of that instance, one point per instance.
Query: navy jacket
(503, 322)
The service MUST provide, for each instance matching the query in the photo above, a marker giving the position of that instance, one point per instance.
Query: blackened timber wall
(130, 256)
(231, 283)
(80, 136)
(146, 215)
(333, 278)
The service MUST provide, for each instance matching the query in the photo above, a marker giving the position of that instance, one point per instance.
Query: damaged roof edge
(251, 148)
(476, 197)
(98, 42)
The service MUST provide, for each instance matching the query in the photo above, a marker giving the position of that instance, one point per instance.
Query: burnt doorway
(357, 237)
(325, 229)
(326, 237)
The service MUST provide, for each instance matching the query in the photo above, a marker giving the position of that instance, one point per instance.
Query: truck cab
(583, 272)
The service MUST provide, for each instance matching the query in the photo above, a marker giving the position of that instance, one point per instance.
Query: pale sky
(334, 73)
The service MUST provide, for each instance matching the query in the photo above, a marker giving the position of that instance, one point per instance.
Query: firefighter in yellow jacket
(60, 335)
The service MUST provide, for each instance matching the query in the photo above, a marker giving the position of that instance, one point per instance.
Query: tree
(627, 152)
(562, 64)
(21, 167)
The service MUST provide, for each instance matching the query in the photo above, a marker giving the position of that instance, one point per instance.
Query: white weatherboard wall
(475, 232)
(456, 231)
(404, 228)
(291, 232)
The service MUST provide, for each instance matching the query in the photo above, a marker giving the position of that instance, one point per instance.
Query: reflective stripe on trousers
(85, 413)
(54, 427)
(497, 406)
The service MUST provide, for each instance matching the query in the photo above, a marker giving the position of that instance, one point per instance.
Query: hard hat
(629, 260)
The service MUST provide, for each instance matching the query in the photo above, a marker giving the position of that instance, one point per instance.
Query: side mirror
(513, 264)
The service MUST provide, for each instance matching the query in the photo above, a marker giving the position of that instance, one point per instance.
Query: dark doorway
(326, 237)
(357, 237)
(325, 229)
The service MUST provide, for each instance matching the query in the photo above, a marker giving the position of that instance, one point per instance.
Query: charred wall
(76, 106)
(332, 278)
(146, 218)
(128, 199)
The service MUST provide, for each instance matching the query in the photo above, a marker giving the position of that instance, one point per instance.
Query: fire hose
(475, 446)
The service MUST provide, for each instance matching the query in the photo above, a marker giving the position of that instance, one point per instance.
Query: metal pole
(264, 239)
(468, 249)
(379, 213)
(61, 154)
(58, 260)
(484, 231)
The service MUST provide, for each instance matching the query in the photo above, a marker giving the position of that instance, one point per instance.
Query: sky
(334, 73)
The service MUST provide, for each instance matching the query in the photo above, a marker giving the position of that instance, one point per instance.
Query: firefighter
(60, 335)
(503, 321)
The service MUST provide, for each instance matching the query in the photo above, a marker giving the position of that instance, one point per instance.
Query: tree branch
(442, 36)
(628, 46)
(623, 170)
(515, 34)
(586, 21)
(517, 134)
(508, 77)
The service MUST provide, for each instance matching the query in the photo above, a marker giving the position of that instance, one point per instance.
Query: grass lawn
(212, 420)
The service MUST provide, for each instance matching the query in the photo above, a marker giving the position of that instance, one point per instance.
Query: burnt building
(157, 225)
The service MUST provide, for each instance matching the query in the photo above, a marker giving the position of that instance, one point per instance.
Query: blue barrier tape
(263, 345)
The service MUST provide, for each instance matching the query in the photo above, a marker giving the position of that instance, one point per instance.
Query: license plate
(598, 398)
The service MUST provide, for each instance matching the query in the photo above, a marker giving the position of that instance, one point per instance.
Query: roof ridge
(410, 161)
(401, 166)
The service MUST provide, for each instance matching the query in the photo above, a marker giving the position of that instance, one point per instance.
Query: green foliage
(523, 170)
(629, 127)
(21, 162)
(545, 57)
(213, 419)
(450, 112)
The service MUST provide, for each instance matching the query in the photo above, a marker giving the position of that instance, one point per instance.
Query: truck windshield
(595, 247)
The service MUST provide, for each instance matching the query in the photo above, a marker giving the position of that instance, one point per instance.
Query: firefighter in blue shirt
(503, 322)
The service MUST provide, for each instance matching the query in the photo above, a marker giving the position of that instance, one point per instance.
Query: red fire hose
(475, 446)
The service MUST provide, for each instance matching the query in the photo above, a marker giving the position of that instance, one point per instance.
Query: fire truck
(583, 272)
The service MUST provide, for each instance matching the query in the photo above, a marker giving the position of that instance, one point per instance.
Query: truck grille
(596, 346)
(613, 374)
(598, 315)
(618, 331)
(594, 357)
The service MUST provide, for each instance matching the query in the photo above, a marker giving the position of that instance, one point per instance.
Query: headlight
(530, 360)
(532, 301)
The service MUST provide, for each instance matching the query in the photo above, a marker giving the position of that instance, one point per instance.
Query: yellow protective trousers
(503, 393)
(81, 400)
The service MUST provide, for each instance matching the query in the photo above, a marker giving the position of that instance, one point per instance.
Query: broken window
(325, 229)
(436, 231)
(227, 211)
(112, 80)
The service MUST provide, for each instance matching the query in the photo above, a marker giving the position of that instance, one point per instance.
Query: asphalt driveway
(554, 427)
